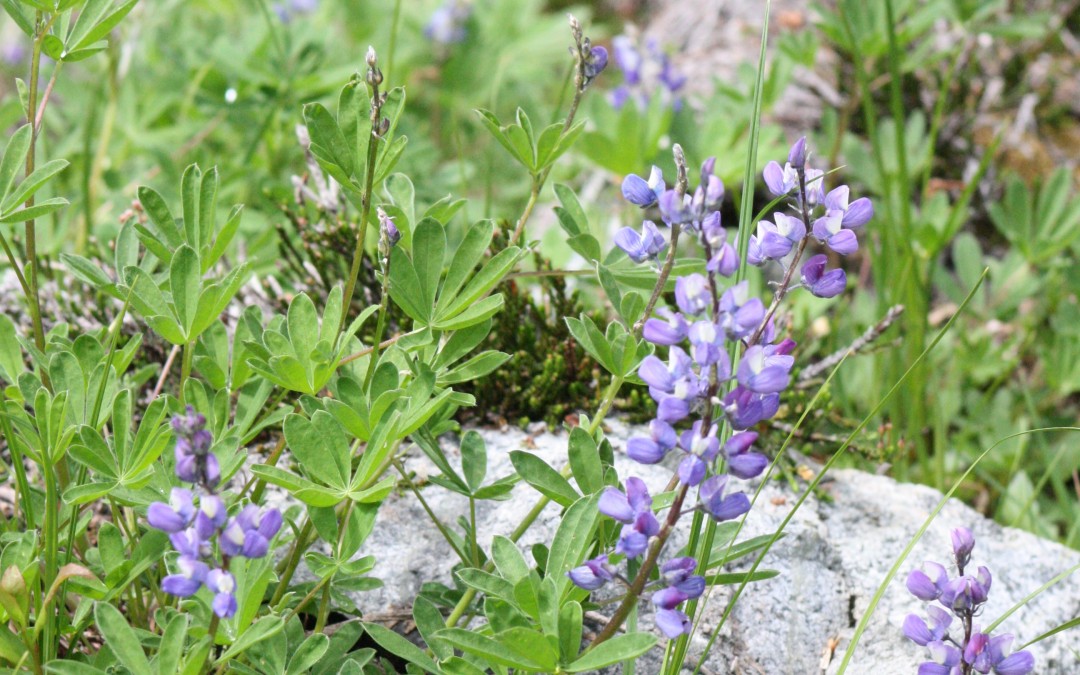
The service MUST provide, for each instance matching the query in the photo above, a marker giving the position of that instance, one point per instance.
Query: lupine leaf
(618, 648)
(545, 479)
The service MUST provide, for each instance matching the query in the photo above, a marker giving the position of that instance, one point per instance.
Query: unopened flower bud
(388, 227)
(797, 156)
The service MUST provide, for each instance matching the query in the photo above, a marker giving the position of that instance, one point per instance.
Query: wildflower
(592, 574)
(174, 516)
(447, 23)
(822, 283)
(923, 633)
(741, 462)
(701, 450)
(797, 155)
(651, 450)
(641, 247)
(249, 533)
(223, 585)
(853, 215)
(634, 509)
(595, 62)
(773, 241)
(692, 294)
(829, 230)
(189, 577)
(963, 543)
(743, 408)
(668, 332)
(927, 585)
(764, 374)
(718, 505)
(389, 228)
(780, 181)
(740, 315)
(641, 192)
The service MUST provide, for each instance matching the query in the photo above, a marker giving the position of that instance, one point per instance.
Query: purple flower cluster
(712, 318)
(962, 598)
(447, 23)
(194, 530)
(647, 71)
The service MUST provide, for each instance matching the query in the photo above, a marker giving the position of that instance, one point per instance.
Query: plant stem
(384, 306)
(382, 345)
(292, 562)
(365, 200)
(52, 541)
(33, 299)
(185, 367)
(431, 514)
(632, 595)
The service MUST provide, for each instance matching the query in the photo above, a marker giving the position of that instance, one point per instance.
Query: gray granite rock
(831, 562)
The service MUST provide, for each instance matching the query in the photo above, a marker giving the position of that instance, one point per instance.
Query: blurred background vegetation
(961, 118)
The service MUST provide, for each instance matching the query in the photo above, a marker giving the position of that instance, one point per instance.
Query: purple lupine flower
(667, 333)
(595, 62)
(662, 437)
(641, 192)
(740, 315)
(829, 230)
(741, 462)
(692, 294)
(966, 593)
(676, 378)
(946, 660)
(963, 543)
(928, 583)
(701, 450)
(447, 23)
(174, 516)
(922, 633)
(823, 284)
(797, 155)
(853, 215)
(223, 585)
(707, 347)
(763, 374)
(677, 570)
(985, 653)
(388, 227)
(249, 533)
(773, 241)
(675, 208)
(634, 509)
(641, 247)
(211, 516)
(592, 574)
(743, 408)
(194, 461)
(724, 260)
(627, 58)
(673, 622)
(718, 505)
(189, 543)
(780, 181)
(188, 579)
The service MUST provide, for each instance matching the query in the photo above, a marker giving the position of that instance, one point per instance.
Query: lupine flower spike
(204, 535)
(965, 650)
(713, 318)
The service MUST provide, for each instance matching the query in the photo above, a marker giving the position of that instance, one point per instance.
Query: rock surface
(831, 562)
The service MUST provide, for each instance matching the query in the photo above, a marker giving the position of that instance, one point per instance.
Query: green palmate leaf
(475, 368)
(484, 280)
(14, 159)
(328, 143)
(618, 648)
(429, 620)
(585, 462)
(306, 491)
(321, 448)
(571, 215)
(467, 256)
(487, 583)
(572, 539)
(158, 212)
(121, 638)
(477, 313)
(508, 559)
(263, 629)
(33, 183)
(570, 625)
(429, 249)
(405, 287)
(185, 279)
(545, 479)
(38, 210)
(491, 649)
(400, 647)
(473, 459)
(89, 29)
(308, 654)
